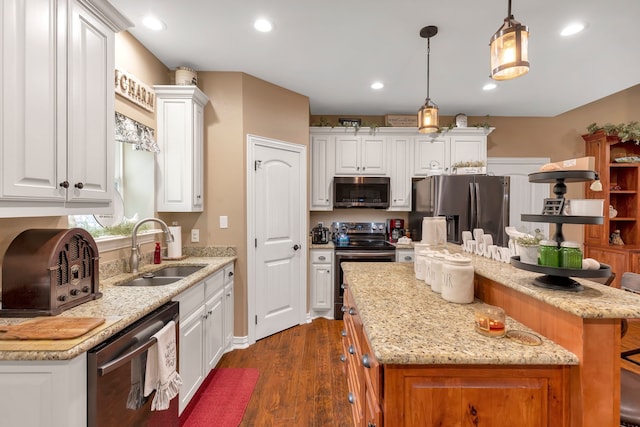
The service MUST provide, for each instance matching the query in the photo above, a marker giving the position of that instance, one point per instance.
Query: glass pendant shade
(428, 117)
(510, 51)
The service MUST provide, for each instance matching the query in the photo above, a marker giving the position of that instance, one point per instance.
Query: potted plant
(528, 248)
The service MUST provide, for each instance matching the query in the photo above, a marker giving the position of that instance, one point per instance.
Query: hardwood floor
(301, 382)
(301, 378)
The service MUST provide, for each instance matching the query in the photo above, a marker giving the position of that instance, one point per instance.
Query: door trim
(252, 142)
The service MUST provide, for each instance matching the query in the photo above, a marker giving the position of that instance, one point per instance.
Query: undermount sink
(151, 281)
(164, 276)
(175, 271)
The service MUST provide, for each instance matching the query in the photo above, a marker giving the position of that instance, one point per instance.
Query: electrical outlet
(224, 222)
(195, 235)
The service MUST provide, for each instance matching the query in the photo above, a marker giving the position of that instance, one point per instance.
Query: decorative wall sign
(128, 86)
(401, 120)
(350, 122)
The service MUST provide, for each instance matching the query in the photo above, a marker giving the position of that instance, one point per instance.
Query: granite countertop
(119, 305)
(596, 301)
(407, 323)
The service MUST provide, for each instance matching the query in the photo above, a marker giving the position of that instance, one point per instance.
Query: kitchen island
(44, 382)
(427, 365)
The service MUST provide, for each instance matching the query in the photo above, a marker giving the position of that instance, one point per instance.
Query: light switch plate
(195, 235)
(224, 221)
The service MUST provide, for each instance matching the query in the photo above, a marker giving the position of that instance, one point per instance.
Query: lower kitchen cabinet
(203, 335)
(405, 255)
(447, 395)
(362, 369)
(40, 393)
(321, 266)
(228, 307)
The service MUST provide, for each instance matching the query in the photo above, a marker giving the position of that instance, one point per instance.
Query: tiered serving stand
(560, 278)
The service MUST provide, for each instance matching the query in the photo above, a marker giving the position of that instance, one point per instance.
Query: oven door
(354, 256)
(115, 369)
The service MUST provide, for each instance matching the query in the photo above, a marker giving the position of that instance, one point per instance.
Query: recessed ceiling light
(263, 25)
(572, 29)
(377, 85)
(489, 86)
(153, 23)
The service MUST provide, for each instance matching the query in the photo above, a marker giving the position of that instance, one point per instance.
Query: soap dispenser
(157, 255)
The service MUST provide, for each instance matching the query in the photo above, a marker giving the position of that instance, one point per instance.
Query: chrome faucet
(135, 247)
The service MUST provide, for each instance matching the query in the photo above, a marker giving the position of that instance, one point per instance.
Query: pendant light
(510, 50)
(428, 114)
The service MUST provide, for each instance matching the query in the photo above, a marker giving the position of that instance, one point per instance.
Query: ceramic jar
(457, 279)
(437, 262)
(549, 253)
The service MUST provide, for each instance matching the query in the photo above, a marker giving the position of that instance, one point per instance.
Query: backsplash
(113, 268)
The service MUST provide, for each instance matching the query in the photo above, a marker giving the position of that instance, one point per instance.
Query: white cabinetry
(400, 150)
(322, 171)
(203, 323)
(321, 283)
(228, 307)
(50, 393)
(404, 255)
(446, 149)
(179, 174)
(56, 143)
(360, 155)
(431, 153)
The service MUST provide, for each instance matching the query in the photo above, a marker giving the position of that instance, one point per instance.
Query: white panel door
(525, 197)
(90, 104)
(430, 153)
(33, 95)
(279, 212)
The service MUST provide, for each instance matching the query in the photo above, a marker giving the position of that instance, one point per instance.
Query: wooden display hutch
(620, 189)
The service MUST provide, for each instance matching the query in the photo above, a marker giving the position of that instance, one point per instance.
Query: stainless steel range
(358, 242)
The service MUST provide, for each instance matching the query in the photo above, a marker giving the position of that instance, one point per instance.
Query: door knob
(296, 247)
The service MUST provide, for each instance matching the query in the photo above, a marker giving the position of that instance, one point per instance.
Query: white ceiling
(332, 50)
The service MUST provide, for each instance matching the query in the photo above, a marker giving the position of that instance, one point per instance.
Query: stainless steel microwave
(361, 192)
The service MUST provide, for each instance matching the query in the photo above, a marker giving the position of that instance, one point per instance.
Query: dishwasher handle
(146, 336)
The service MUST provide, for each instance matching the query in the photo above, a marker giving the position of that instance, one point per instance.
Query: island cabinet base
(446, 395)
(594, 389)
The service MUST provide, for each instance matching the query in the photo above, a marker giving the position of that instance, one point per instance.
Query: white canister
(428, 262)
(436, 272)
(457, 279)
(418, 264)
(434, 231)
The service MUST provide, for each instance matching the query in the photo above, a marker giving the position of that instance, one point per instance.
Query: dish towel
(161, 373)
(135, 399)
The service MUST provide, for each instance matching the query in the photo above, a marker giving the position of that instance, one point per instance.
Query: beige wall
(239, 105)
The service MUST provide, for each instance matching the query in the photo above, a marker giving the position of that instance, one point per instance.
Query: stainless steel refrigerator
(466, 201)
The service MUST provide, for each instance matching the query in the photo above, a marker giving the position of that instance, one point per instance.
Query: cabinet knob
(62, 298)
(322, 258)
(350, 398)
(352, 350)
(365, 361)
(343, 309)
(343, 358)
(407, 258)
(343, 332)
(79, 186)
(230, 274)
(296, 247)
(352, 311)
(64, 184)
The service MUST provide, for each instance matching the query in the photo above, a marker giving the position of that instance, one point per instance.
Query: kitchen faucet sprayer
(135, 247)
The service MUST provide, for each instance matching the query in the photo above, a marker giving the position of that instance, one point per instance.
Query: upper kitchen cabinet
(360, 155)
(57, 106)
(438, 153)
(179, 173)
(322, 171)
(400, 149)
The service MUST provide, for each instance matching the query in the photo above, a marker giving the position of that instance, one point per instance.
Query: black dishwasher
(116, 366)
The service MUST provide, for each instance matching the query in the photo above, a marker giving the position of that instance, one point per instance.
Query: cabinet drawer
(213, 284)
(404, 255)
(321, 256)
(190, 300)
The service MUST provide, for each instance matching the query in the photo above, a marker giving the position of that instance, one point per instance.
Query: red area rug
(222, 399)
